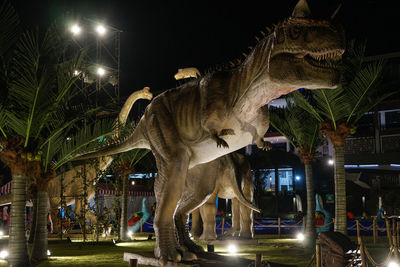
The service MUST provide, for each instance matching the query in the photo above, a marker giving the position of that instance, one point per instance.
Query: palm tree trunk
(17, 244)
(340, 191)
(40, 244)
(124, 209)
(310, 224)
(33, 218)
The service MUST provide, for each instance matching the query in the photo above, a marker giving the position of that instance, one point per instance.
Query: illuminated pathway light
(300, 236)
(393, 264)
(232, 249)
(3, 254)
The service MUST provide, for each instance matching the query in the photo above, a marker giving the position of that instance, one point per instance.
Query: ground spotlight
(75, 29)
(100, 30)
(331, 161)
(1, 233)
(48, 253)
(3, 254)
(393, 264)
(130, 233)
(300, 236)
(232, 249)
(114, 241)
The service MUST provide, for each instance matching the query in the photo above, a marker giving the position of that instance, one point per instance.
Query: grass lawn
(105, 253)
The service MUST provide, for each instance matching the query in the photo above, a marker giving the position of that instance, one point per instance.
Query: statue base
(205, 259)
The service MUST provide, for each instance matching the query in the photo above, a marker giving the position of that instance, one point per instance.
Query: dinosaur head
(146, 94)
(306, 51)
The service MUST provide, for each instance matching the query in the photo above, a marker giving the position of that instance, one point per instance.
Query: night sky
(160, 37)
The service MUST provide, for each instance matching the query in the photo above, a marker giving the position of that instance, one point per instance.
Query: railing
(387, 143)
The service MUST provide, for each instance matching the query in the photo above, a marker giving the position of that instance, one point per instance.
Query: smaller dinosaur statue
(242, 216)
(134, 220)
(227, 177)
(187, 73)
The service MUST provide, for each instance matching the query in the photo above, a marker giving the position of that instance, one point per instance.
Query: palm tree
(125, 166)
(38, 84)
(339, 110)
(302, 131)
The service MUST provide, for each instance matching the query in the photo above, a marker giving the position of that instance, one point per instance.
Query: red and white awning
(6, 189)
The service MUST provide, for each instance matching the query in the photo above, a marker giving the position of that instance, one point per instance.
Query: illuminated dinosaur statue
(224, 111)
(227, 177)
(187, 73)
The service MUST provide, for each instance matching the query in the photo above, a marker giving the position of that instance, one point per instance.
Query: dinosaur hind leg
(181, 220)
(168, 189)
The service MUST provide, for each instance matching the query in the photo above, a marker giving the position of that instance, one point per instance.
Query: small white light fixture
(133, 183)
(300, 236)
(48, 253)
(100, 71)
(100, 29)
(130, 233)
(1, 233)
(75, 29)
(298, 178)
(393, 264)
(3, 254)
(331, 161)
(114, 241)
(232, 249)
(103, 235)
(76, 72)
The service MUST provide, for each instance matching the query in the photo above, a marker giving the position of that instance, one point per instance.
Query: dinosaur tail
(134, 140)
(237, 191)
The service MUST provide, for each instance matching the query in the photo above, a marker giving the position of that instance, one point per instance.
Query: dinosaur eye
(295, 32)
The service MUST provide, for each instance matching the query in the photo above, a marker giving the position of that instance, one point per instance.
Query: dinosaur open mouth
(325, 59)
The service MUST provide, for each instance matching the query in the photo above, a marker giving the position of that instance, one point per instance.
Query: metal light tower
(101, 77)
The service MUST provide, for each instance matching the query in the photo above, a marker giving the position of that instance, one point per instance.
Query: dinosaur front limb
(263, 145)
(216, 136)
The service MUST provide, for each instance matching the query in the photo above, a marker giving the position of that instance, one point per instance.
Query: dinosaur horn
(336, 11)
(301, 10)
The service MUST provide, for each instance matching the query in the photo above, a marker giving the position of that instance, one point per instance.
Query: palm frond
(300, 101)
(86, 139)
(362, 86)
(9, 27)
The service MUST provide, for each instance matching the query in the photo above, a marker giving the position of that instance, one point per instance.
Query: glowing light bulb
(300, 236)
(75, 29)
(100, 30)
(232, 249)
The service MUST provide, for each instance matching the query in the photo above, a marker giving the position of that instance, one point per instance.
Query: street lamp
(75, 29)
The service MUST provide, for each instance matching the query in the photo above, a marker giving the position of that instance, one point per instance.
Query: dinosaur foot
(231, 232)
(263, 145)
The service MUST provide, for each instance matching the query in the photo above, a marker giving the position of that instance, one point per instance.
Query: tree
(338, 111)
(37, 86)
(302, 131)
(124, 166)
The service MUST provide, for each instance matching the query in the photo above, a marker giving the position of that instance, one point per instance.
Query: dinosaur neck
(255, 89)
(123, 115)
